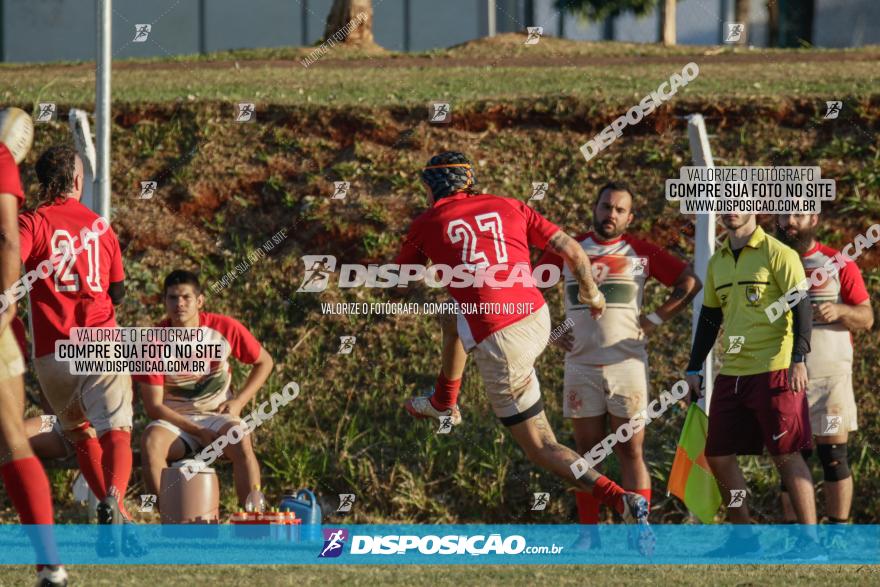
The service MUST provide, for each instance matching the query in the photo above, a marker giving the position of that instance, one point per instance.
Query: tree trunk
(772, 23)
(796, 23)
(741, 15)
(350, 22)
(607, 28)
(529, 12)
(667, 22)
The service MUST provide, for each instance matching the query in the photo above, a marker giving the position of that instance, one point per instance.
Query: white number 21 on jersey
(460, 231)
(66, 279)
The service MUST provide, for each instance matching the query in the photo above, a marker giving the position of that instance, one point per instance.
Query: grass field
(436, 576)
(224, 188)
(501, 69)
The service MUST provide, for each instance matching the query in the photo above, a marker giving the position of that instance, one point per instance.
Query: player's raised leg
(536, 438)
(444, 400)
(506, 360)
(47, 444)
(512, 325)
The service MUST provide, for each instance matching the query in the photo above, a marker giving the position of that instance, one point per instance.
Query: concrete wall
(846, 23)
(50, 30)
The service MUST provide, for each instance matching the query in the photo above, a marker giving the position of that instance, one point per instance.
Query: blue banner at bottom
(440, 544)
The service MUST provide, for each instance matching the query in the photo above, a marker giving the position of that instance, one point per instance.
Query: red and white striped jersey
(621, 267)
(831, 350)
(189, 393)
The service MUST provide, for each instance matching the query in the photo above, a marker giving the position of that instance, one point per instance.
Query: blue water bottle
(305, 506)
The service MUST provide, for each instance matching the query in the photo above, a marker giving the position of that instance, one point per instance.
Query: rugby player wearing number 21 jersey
(492, 234)
(94, 410)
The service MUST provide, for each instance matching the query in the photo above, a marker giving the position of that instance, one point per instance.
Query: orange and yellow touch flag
(691, 479)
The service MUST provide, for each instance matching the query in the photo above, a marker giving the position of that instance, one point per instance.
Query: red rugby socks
(646, 493)
(609, 493)
(28, 488)
(88, 455)
(588, 507)
(445, 393)
(116, 461)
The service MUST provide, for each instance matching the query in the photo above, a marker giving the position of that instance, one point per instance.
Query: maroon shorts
(748, 412)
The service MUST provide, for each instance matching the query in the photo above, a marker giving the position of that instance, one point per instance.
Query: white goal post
(103, 63)
(82, 139)
(704, 239)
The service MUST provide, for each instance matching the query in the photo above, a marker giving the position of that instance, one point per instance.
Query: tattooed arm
(684, 289)
(579, 264)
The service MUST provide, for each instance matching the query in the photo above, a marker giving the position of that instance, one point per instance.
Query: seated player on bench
(190, 411)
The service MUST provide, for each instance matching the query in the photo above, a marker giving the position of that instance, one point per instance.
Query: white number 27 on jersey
(66, 279)
(460, 231)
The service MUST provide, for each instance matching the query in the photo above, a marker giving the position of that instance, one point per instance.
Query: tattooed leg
(537, 440)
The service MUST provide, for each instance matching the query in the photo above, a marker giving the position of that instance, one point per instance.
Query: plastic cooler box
(305, 506)
(275, 525)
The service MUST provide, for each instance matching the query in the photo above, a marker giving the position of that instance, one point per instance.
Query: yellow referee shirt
(743, 288)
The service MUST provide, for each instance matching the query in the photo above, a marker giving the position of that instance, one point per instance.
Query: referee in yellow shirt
(759, 397)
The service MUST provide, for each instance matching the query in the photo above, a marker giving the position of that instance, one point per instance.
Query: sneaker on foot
(635, 511)
(420, 407)
(52, 576)
(109, 516)
(108, 511)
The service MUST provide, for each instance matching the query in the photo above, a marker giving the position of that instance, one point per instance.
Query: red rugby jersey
(75, 294)
(482, 230)
(10, 181)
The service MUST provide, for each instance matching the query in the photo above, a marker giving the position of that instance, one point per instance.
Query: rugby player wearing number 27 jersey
(94, 410)
(492, 234)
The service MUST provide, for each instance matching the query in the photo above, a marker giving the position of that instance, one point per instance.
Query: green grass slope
(226, 188)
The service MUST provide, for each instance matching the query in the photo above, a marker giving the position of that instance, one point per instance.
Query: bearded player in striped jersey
(840, 306)
(491, 236)
(606, 365)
